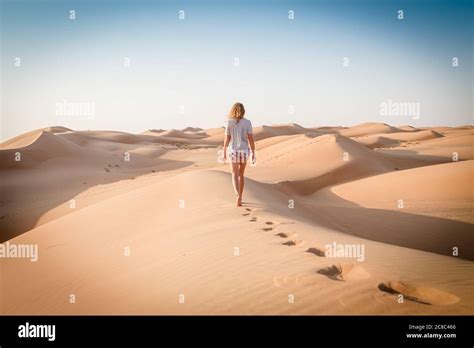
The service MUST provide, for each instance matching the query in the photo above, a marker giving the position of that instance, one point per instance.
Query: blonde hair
(237, 112)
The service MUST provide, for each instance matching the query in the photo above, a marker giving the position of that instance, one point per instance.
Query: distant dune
(35, 149)
(192, 129)
(27, 138)
(394, 139)
(369, 128)
(131, 222)
(264, 132)
(296, 162)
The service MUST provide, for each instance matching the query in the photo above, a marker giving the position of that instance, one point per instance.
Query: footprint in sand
(286, 235)
(266, 229)
(278, 223)
(344, 271)
(317, 251)
(246, 214)
(421, 294)
(254, 219)
(293, 242)
(248, 209)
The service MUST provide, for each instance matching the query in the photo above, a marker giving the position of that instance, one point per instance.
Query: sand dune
(188, 138)
(450, 129)
(73, 162)
(305, 163)
(391, 207)
(408, 128)
(394, 139)
(414, 136)
(36, 149)
(173, 133)
(153, 131)
(135, 236)
(261, 144)
(264, 132)
(376, 141)
(107, 136)
(451, 180)
(27, 138)
(192, 129)
(431, 151)
(327, 129)
(369, 128)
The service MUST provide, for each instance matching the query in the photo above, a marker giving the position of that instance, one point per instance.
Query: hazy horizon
(253, 124)
(138, 65)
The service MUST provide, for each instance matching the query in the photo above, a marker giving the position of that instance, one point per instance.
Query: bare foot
(239, 201)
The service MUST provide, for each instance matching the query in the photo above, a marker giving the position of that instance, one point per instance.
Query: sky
(143, 64)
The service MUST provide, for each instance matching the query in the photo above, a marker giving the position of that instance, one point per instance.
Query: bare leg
(241, 182)
(235, 176)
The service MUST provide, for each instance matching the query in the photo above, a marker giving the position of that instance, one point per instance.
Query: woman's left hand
(254, 158)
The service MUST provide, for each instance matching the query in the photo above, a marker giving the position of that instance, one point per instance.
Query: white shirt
(238, 132)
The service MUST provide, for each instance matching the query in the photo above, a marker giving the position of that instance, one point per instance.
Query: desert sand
(147, 223)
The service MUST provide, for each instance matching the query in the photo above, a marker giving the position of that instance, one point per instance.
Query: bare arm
(251, 142)
(252, 146)
(226, 143)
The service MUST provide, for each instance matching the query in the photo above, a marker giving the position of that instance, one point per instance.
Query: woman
(238, 136)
